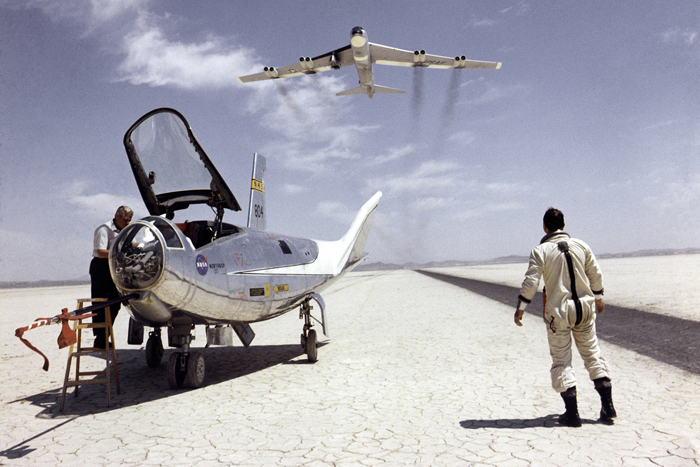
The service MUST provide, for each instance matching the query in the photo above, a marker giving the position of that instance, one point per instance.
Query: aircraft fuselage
(225, 281)
(361, 56)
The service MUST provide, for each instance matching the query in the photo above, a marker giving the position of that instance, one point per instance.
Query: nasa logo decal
(202, 266)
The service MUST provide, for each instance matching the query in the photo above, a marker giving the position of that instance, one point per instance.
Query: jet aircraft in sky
(363, 54)
(207, 272)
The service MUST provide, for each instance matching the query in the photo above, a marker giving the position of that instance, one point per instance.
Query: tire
(154, 351)
(311, 350)
(176, 377)
(195, 370)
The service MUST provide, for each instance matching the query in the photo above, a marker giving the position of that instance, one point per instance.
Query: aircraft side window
(172, 239)
(285, 248)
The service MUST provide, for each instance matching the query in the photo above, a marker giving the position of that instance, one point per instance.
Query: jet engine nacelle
(306, 62)
(460, 62)
(271, 72)
(419, 56)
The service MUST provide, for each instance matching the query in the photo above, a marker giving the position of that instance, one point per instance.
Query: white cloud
(488, 207)
(429, 176)
(432, 203)
(506, 188)
(301, 107)
(310, 124)
(335, 210)
(393, 154)
(462, 138)
(481, 22)
(308, 121)
(97, 205)
(291, 189)
(677, 195)
(151, 58)
(661, 124)
(86, 12)
(676, 35)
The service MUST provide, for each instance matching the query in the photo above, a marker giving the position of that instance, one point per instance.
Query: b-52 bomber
(363, 54)
(208, 272)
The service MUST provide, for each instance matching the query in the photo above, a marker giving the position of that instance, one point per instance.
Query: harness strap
(564, 248)
(20, 332)
(64, 339)
(67, 337)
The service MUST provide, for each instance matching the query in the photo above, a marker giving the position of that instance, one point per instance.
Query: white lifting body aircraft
(363, 54)
(211, 273)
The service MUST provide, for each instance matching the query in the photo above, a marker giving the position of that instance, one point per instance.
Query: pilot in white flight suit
(573, 293)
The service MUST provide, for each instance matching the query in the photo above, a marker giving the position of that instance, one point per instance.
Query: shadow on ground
(548, 421)
(140, 384)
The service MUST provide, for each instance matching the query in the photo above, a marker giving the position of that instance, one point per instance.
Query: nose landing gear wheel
(176, 370)
(308, 336)
(154, 350)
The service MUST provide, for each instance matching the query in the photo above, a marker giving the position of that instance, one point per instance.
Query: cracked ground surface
(416, 372)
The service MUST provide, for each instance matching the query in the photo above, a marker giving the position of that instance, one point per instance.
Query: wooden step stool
(109, 353)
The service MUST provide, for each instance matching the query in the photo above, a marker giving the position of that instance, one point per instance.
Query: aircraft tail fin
(256, 208)
(346, 253)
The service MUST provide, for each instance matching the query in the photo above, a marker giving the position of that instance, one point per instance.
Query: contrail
(451, 100)
(417, 101)
(448, 110)
(291, 103)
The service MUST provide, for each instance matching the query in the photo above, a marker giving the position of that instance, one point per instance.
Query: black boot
(604, 388)
(570, 417)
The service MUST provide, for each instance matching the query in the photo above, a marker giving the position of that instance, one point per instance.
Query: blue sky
(595, 111)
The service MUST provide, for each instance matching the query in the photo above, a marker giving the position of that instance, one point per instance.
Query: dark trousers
(102, 287)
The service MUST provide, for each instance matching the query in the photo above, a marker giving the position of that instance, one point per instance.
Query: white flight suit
(547, 261)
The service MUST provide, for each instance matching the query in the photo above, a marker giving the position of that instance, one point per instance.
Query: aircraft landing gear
(154, 349)
(177, 369)
(308, 336)
(185, 368)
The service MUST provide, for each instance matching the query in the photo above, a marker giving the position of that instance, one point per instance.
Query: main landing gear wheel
(309, 342)
(311, 347)
(154, 349)
(195, 370)
(186, 370)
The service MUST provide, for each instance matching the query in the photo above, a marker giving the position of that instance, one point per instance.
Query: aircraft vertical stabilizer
(256, 209)
(344, 254)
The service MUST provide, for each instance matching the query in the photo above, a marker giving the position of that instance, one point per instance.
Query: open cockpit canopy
(171, 169)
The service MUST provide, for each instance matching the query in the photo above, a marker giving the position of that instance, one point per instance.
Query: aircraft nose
(136, 258)
(357, 30)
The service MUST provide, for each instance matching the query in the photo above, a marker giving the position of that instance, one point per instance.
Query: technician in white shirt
(102, 283)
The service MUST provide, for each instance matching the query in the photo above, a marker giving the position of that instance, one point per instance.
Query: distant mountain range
(44, 283)
(512, 259)
(85, 280)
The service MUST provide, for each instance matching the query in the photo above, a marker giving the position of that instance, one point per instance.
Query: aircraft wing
(383, 55)
(332, 60)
